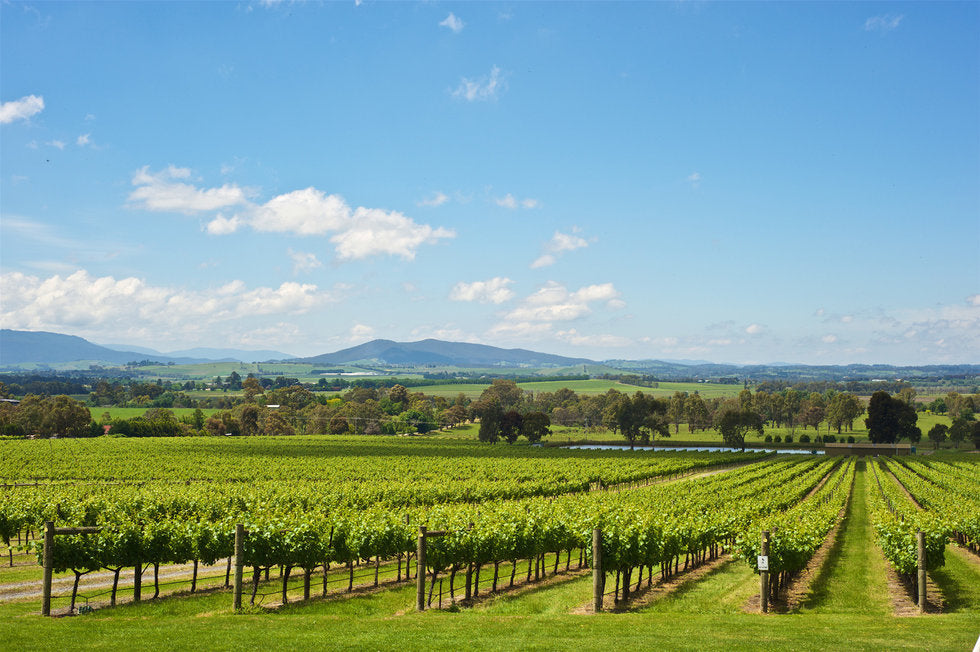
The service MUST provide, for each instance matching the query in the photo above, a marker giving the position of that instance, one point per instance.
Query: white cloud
(694, 179)
(360, 333)
(453, 23)
(828, 339)
(754, 329)
(303, 262)
(973, 300)
(357, 233)
(883, 23)
(161, 191)
(572, 336)
(21, 109)
(302, 212)
(437, 199)
(222, 225)
(554, 302)
(84, 140)
(79, 302)
(374, 231)
(482, 89)
(496, 290)
(512, 202)
(559, 243)
(57, 143)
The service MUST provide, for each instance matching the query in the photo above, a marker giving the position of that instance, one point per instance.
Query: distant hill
(438, 352)
(209, 354)
(40, 347)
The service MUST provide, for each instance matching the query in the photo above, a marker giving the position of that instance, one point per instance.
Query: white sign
(763, 562)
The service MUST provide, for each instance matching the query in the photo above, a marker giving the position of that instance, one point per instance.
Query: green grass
(854, 579)
(129, 413)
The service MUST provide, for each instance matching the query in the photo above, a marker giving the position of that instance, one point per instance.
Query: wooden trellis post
(50, 532)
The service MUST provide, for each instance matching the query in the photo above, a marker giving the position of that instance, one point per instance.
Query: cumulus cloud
(21, 109)
(374, 231)
(828, 339)
(559, 243)
(973, 300)
(303, 262)
(303, 212)
(59, 144)
(694, 179)
(554, 302)
(481, 89)
(356, 232)
(454, 23)
(754, 329)
(496, 290)
(883, 23)
(81, 302)
(512, 202)
(167, 191)
(222, 225)
(84, 140)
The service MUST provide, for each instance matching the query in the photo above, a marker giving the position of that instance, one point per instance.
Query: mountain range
(30, 348)
(40, 347)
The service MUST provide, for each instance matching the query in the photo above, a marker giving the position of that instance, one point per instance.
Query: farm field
(587, 387)
(296, 484)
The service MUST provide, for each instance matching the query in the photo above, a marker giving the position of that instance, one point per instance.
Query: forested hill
(460, 354)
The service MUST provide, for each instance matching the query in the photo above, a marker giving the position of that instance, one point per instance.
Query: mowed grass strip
(854, 579)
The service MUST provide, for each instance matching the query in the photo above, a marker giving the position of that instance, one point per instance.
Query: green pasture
(130, 412)
(586, 388)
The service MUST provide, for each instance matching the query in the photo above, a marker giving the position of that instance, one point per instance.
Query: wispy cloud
(883, 23)
(511, 202)
(21, 109)
(694, 179)
(436, 199)
(303, 262)
(481, 89)
(559, 243)
(453, 22)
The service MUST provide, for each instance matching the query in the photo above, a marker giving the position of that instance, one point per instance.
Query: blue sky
(725, 181)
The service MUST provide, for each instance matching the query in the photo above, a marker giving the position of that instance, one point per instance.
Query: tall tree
(937, 434)
(890, 419)
(734, 424)
(638, 418)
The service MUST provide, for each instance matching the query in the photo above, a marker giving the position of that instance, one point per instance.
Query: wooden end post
(420, 574)
(764, 575)
(598, 576)
(48, 565)
(239, 564)
(922, 570)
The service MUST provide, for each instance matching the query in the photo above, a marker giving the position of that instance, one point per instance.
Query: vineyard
(299, 525)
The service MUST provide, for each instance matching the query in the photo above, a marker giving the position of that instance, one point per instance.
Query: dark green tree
(889, 419)
(637, 418)
(535, 426)
(734, 424)
(937, 434)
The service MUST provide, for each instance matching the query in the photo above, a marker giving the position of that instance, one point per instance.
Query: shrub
(850, 439)
(777, 439)
(829, 439)
(789, 439)
(768, 439)
(805, 438)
